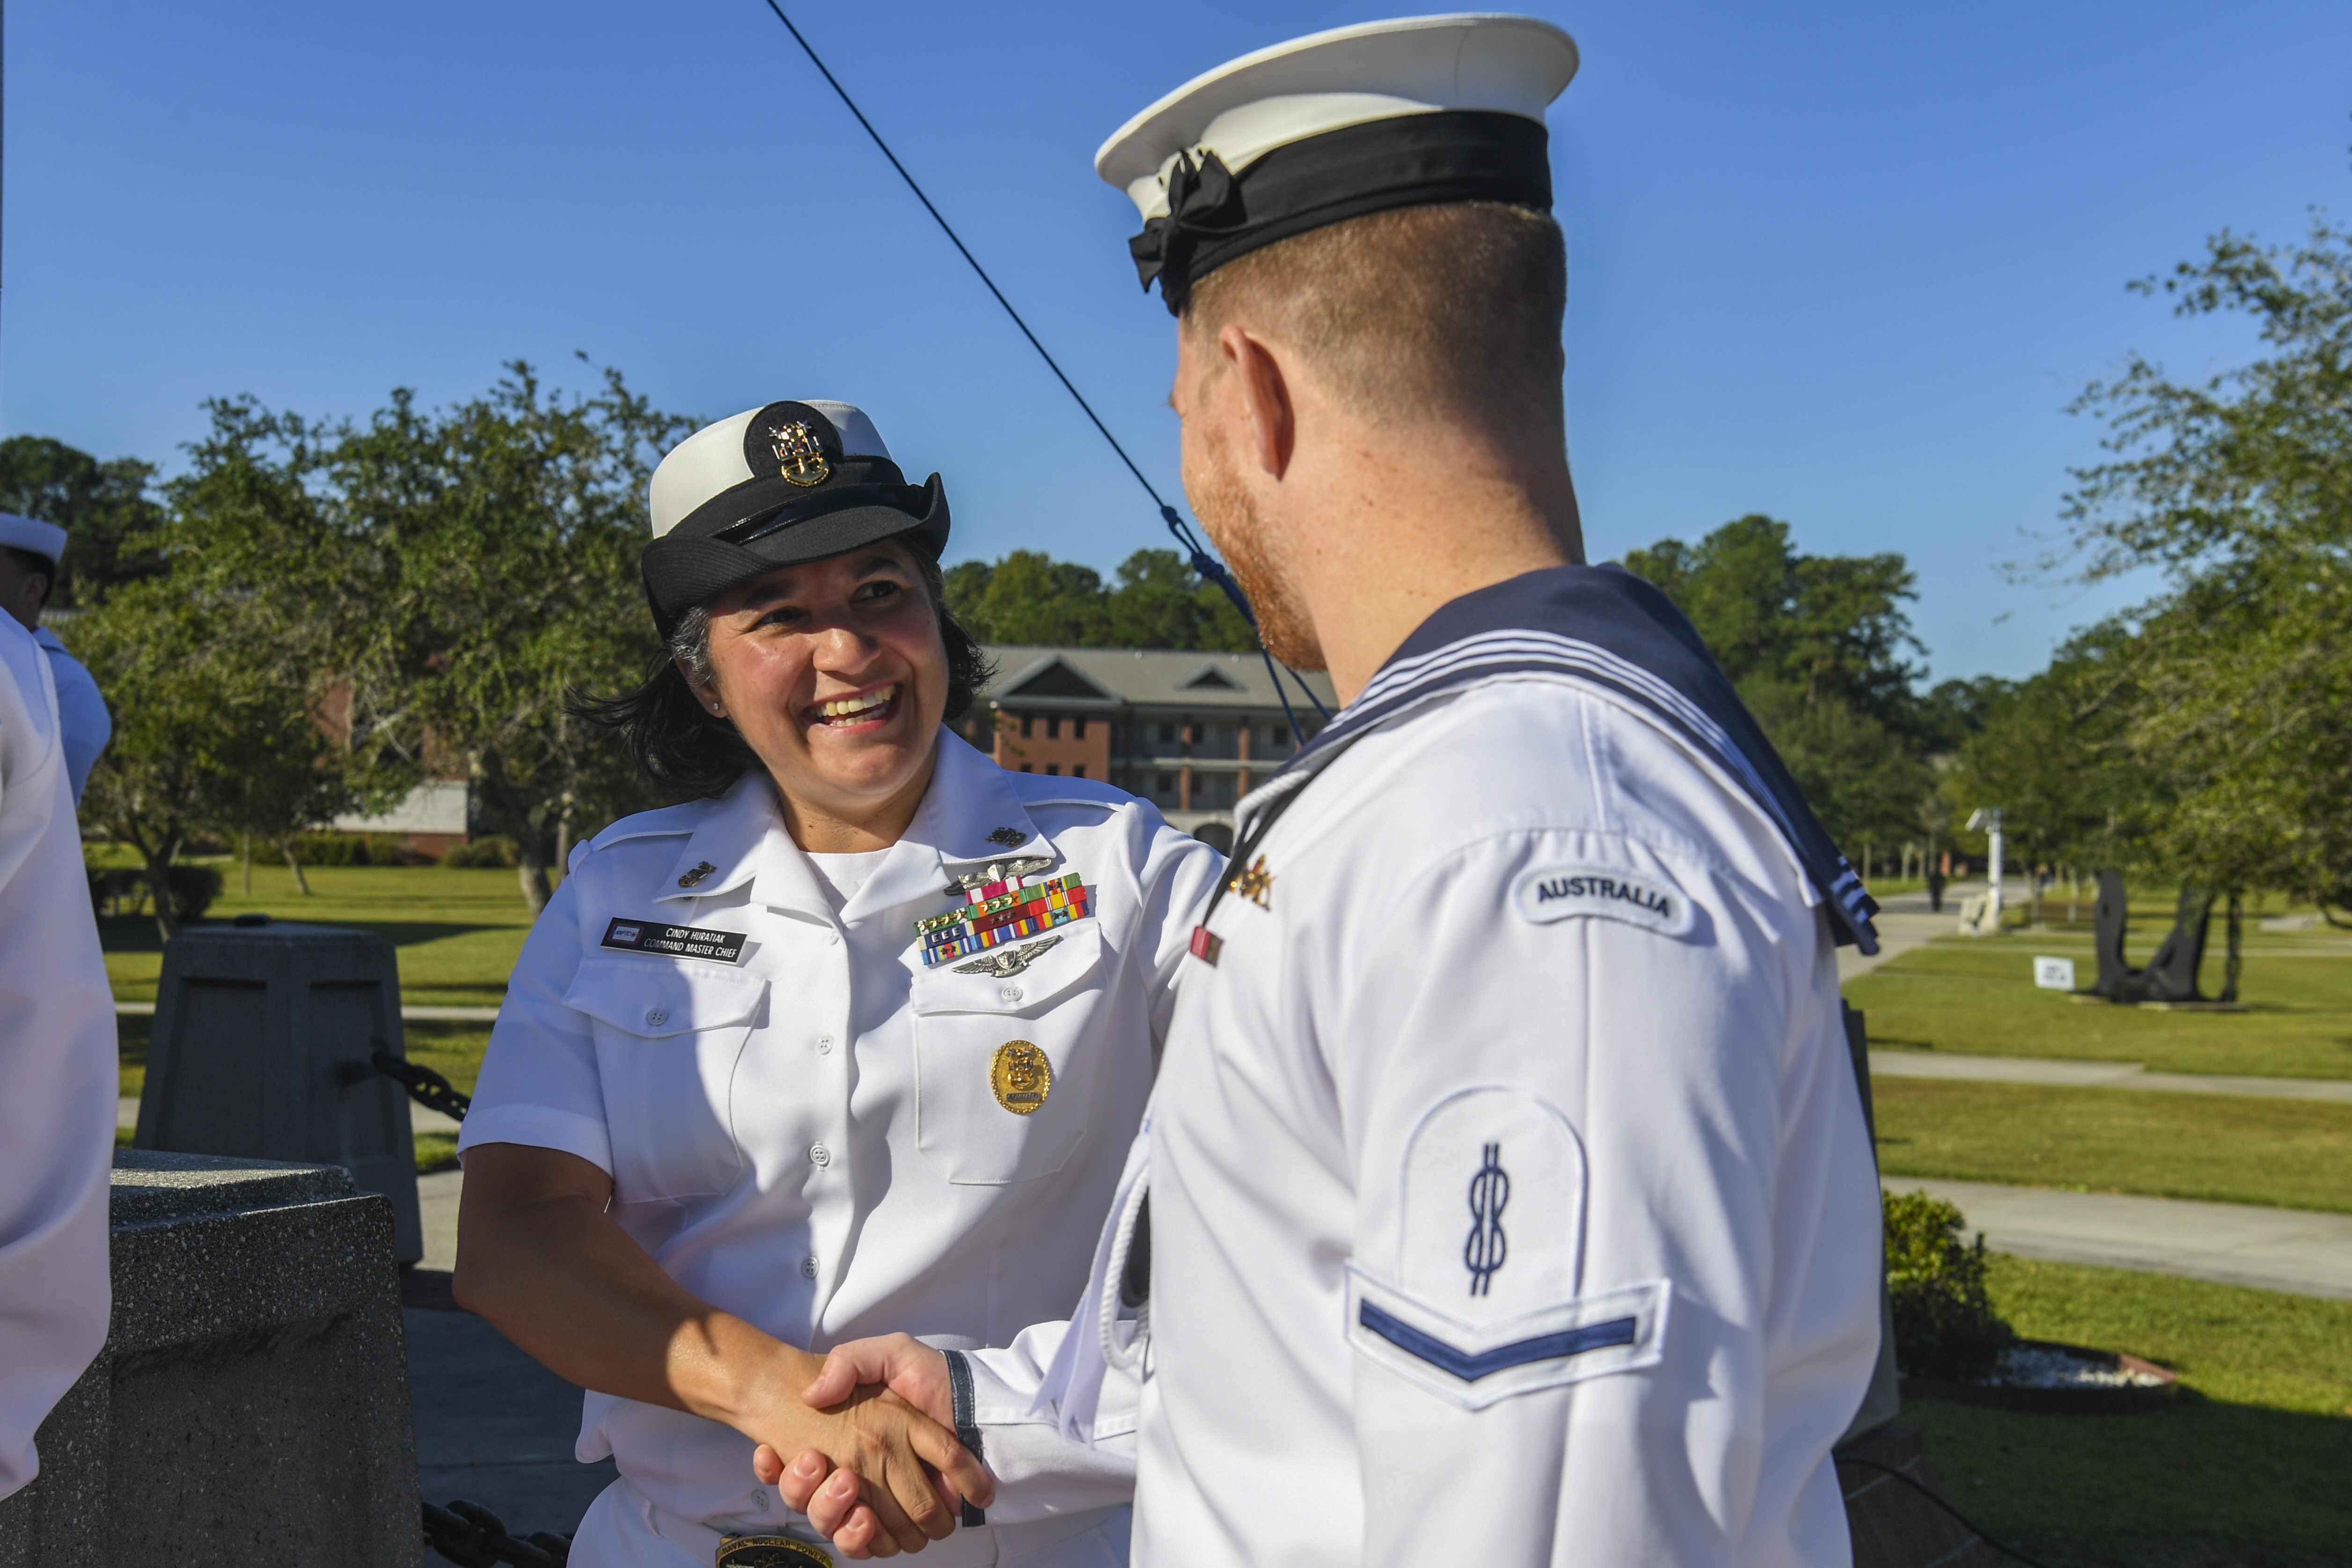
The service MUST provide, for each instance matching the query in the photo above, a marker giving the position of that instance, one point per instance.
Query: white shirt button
(808, 1267)
(1009, 995)
(657, 1017)
(819, 1155)
(824, 1045)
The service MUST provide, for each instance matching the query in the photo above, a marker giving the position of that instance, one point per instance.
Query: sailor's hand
(897, 1477)
(831, 1496)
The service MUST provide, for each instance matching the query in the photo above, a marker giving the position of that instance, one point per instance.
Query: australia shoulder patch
(1560, 891)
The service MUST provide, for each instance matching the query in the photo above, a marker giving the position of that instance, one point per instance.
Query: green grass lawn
(2253, 1468)
(2290, 1154)
(1977, 996)
(457, 932)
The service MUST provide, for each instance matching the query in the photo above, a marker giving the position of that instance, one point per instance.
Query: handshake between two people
(902, 1479)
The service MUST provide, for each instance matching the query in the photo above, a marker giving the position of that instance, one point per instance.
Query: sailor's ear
(1266, 392)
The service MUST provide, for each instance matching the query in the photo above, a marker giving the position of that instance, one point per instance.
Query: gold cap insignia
(1020, 1075)
(1256, 884)
(800, 457)
(769, 1552)
(701, 870)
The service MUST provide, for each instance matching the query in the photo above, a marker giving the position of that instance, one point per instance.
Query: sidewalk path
(2097, 1075)
(420, 1118)
(2294, 1250)
(1903, 922)
(411, 1015)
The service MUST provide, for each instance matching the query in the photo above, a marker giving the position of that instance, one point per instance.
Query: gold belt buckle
(769, 1552)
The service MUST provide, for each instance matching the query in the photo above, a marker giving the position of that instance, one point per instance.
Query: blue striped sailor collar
(1605, 627)
(970, 813)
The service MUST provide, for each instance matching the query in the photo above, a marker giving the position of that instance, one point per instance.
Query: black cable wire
(1210, 568)
(1963, 1519)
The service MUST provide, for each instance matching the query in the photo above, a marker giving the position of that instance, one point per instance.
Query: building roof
(1106, 677)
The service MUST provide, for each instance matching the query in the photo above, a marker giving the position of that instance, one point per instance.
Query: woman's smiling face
(834, 673)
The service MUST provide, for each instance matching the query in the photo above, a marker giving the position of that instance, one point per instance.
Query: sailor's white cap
(789, 482)
(27, 533)
(1423, 109)
(712, 460)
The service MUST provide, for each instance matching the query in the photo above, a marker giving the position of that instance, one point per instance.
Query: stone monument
(251, 1403)
(262, 1049)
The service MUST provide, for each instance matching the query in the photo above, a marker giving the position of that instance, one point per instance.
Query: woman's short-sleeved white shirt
(809, 1136)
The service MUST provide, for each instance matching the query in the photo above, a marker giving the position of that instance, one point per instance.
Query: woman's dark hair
(684, 748)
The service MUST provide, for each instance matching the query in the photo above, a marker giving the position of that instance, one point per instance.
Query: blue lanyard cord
(1210, 568)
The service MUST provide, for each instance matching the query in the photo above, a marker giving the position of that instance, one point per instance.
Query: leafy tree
(1030, 597)
(499, 540)
(111, 522)
(215, 726)
(1815, 646)
(2239, 488)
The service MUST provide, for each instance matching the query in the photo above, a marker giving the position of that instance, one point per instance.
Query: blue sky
(1845, 264)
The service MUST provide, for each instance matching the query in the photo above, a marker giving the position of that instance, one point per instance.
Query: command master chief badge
(1020, 1075)
(800, 458)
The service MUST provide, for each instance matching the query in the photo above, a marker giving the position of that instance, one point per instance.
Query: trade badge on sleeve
(1020, 1075)
(1559, 893)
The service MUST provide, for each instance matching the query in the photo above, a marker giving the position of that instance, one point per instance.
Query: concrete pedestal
(251, 1403)
(260, 1051)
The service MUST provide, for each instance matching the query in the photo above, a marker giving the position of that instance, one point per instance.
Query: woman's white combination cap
(45, 539)
(789, 481)
(713, 459)
(1334, 125)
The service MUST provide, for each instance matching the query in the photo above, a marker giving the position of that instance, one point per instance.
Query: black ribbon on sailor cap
(1205, 202)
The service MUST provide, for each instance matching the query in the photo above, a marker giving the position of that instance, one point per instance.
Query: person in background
(29, 553)
(57, 1060)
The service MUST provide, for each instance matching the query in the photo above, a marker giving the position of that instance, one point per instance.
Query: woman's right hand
(888, 1460)
(832, 1496)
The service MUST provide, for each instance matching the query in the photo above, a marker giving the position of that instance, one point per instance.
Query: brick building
(1189, 731)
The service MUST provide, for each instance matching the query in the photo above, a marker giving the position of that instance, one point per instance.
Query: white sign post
(1989, 818)
(2054, 973)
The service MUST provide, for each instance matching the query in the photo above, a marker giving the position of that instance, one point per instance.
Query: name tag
(677, 941)
(1549, 893)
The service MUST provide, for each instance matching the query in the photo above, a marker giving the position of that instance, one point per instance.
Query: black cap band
(1407, 160)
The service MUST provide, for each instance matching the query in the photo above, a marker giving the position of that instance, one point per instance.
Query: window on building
(1027, 769)
(1079, 772)
(1052, 729)
(1167, 786)
(1167, 736)
(1026, 720)
(1078, 728)
(1054, 768)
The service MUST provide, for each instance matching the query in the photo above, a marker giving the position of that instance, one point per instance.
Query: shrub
(351, 850)
(193, 888)
(499, 851)
(1945, 1327)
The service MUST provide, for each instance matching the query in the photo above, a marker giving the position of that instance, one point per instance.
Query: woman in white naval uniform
(737, 1106)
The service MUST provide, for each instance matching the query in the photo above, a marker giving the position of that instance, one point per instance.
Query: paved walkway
(2292, 1250)
(2097, 1075)
(413, 1015)
(1905, 922)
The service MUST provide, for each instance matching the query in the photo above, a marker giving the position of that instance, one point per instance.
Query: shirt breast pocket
(667, 1039)
(1006, 1065)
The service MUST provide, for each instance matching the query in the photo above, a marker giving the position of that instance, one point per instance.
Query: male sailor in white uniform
(1510, 1195)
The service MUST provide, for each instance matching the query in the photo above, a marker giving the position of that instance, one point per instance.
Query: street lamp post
(1989, 818)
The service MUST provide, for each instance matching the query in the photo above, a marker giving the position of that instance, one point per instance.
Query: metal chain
(424, 1086)
(471, 1536)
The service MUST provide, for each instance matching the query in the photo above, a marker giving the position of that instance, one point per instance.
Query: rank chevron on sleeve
(999, 913)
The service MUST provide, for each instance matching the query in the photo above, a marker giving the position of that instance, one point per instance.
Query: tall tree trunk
(301, 883)
(248, 862)
(159, 887)
(512, 813)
